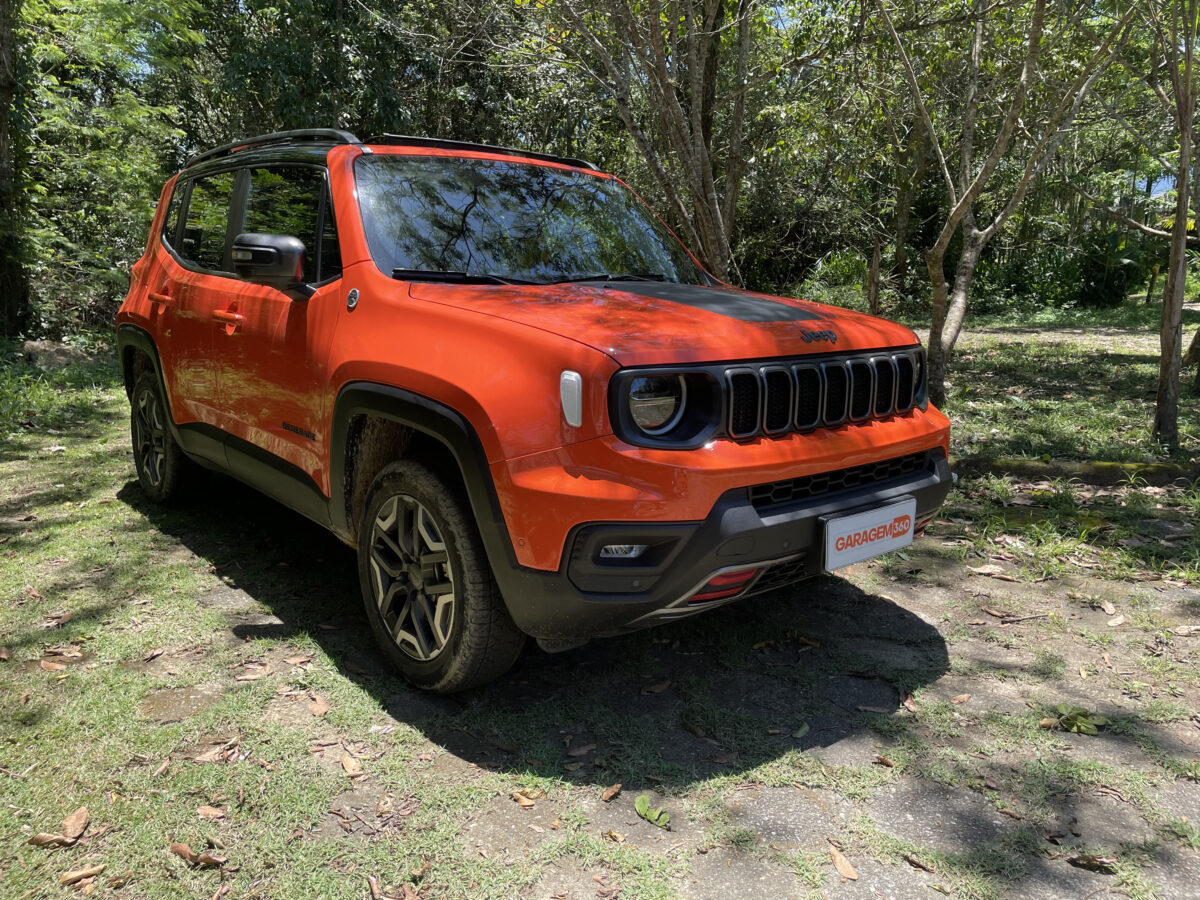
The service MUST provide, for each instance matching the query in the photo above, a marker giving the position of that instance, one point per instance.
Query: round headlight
(656, 402)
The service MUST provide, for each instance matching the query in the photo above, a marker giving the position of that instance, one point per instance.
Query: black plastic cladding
(777, 397)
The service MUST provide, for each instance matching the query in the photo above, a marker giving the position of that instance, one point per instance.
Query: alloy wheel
(151, 437)
(411, 577)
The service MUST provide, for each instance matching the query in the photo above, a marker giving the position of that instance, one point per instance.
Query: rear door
(190, 289)
(272, 387)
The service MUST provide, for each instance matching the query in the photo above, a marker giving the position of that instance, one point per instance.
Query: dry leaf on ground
(523, 801)
(75, 824)
(210, 812)
(52, 666)
(319, 705)
(843, 865)
(1108, 608)
(1185, 630)
(254, 672)
(153, 654)
(78, 875)
(298, 660)
(610, 793)
(656, 688)
(725, 758)
(960, 698)
(581, 751)
(50, 840)
(351, 765)
(1115, 621)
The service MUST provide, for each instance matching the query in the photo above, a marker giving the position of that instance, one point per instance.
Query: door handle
(156, 297)
(229, 317)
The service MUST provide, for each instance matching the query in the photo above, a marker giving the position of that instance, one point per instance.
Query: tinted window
(289, 200)
(207, 215)
(525, 222)
(171, 222)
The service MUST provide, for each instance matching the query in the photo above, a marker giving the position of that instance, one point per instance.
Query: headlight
(656, 402)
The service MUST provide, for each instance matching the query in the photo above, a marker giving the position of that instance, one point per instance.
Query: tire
(163, 470)
(429, 592)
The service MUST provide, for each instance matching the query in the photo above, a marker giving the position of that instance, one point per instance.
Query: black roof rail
(300, 135)
(404, 140)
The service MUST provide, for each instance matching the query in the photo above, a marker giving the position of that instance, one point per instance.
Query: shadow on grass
(796, 669)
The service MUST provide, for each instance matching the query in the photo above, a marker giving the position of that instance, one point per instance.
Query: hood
(648, 323)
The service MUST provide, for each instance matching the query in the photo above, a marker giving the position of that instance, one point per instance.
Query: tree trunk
(14, 287)
(1153, 279)
(1166, 410)
(873, 277)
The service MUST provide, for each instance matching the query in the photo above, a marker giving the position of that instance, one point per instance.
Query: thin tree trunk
(1153, 279)
(873, 277)
(14, 287)
(1166, 411)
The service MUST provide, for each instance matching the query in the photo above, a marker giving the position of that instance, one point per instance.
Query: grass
(794, 684)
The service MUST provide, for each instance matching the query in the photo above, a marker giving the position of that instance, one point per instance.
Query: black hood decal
(724, 302)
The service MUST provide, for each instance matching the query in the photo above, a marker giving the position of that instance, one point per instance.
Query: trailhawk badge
(853, 538)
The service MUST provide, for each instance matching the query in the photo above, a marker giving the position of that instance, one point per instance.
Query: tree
(14, 286)
(1027, 137)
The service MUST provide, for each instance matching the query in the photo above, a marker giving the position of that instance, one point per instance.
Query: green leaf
(654, 816)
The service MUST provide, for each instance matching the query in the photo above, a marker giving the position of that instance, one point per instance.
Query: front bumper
(775, 529)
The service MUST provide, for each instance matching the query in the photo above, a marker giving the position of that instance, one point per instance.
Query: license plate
(863, 535)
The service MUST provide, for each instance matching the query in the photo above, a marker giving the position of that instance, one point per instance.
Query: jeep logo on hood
(809, 336)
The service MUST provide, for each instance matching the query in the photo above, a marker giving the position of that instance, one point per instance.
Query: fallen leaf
(522, 801)
(960, 698)
(52, 666)
(992, 571)
(1186, 630)
(319, 705)
(573, 766)
(533, 793)
(1050, 722)
(57, 621)
(610, 793)
(1115, 621)
(210, 860)
(75, 824)
(998, 613)
(1092, 861)
(253, 673)
(656, 688)
(581, 751)
(3, 654)
(153, 654)
(1108, 608)
(614, 836)
(298, 660)
(774, 731)
(210, 812)
(79, 874)
(802, 730)
(843, 865)
(351, 765)
(50, 840)
(884, 761)
(910, 704)
(184, 852)
(725, 758)
(373, 884)
(162, 769)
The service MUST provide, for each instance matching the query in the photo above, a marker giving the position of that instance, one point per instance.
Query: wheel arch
(410, 426)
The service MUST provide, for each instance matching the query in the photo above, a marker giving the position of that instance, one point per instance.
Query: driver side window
(294, 200)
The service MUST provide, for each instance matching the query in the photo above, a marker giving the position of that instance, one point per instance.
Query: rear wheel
(429, 593)
(162, 468)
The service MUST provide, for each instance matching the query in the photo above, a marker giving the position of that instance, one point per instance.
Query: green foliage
(651, 814)
(1078, 720)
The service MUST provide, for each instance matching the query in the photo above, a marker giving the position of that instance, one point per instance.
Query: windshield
(511, 221)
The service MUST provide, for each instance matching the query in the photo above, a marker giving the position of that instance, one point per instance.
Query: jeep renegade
(505, 382)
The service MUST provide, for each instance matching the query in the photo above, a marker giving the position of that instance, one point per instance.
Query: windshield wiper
(604, 276)
(453, 277)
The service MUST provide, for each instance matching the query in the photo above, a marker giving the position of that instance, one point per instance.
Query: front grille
(777, 492)
(776, 398)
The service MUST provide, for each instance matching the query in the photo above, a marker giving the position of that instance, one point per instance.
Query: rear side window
(290, 200)
(203, 242)
(171, 222)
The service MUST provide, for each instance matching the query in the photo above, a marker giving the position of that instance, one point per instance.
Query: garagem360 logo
(898, 527)
(809, 336)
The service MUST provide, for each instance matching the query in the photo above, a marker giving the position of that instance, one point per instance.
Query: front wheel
(429, 593)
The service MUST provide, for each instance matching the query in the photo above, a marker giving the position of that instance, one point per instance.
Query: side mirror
(274, 259)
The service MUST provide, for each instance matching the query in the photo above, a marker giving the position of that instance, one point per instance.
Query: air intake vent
(743, 403)
(808, 397)
(780, 492)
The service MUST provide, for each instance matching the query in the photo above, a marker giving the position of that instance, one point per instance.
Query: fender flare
(440, 422)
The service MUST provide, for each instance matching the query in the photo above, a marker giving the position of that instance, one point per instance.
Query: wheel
(430, 595)
(162, 468)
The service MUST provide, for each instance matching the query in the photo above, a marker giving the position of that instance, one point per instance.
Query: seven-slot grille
(776, 492)
(774, 398)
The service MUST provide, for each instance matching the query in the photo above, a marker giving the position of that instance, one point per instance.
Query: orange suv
(505, 382)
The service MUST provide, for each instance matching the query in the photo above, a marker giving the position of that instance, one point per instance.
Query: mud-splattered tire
(163, 470)
(429, 592)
